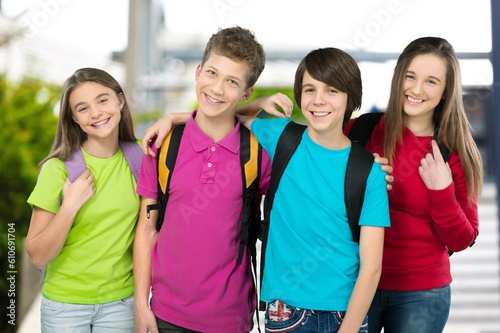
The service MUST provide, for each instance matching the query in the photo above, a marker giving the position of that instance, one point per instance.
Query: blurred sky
(376, 25)
(98, 27)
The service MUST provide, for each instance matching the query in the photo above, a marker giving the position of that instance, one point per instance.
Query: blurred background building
(155, 64)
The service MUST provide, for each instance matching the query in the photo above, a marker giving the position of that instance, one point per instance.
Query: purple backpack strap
(75, 164)
(133, 155)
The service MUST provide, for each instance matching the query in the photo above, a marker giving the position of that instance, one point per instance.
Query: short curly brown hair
(238, 44)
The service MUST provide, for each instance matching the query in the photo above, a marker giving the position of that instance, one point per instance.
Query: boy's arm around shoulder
(269, 104)
(160, 130)
(145, 239)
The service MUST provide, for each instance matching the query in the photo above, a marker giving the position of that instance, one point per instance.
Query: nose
(96, 112)
(417, 87)
(318, 98)
(217, 87)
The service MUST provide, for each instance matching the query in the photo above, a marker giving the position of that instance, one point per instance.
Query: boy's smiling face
(322, 105)
(221, 85)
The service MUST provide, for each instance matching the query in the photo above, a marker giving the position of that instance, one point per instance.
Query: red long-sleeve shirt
(424, 223)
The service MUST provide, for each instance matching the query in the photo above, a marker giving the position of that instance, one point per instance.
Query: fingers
(389, 179)
(284, 102)
(436, 152)
(149, 136)
(88, 177)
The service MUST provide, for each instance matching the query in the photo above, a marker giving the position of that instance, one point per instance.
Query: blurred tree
(28, 127)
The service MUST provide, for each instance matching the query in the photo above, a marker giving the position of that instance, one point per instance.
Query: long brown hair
(69, 135)
(450, 120)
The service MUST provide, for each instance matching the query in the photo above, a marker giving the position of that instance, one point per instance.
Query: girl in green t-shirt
(84, 241)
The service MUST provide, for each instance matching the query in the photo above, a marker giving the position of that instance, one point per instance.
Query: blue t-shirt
(312, 261)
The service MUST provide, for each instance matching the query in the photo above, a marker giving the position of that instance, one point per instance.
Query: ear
(121, 101)
(198, 71)
(247, 94)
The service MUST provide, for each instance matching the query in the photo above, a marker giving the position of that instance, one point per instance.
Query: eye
(103, 100)
(410, 77)
(82, 109)
(211, 72)
(332, 91)
(233, 83)
(430, 81)
(308, 90)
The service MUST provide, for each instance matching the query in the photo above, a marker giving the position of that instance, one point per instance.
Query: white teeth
(414, 100)
(320, 114)
(100, 123)
(213, 99)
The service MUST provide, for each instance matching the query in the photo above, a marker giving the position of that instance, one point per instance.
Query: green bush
(28, 127)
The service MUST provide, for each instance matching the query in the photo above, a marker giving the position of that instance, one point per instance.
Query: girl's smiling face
(424, 85)
(96, 109)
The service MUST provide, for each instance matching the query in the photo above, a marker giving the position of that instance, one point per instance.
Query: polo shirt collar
(201, 141)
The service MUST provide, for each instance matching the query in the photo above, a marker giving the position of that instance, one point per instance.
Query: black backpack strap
(287, 145)
(363, 127)
(250, 157)
(442, 148)
(166, 157)
(359, 166)
(250, 161)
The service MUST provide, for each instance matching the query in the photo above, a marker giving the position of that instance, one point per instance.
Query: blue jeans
(299, 320)
(112, 317)
(421, 311)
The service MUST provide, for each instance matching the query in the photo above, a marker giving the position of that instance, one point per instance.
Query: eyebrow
(430, 77)
(97, 97)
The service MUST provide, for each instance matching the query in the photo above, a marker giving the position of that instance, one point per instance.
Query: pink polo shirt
(196, 283)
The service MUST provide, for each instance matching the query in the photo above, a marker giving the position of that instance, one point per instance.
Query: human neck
(215, 128)
(104, 148)
(330, 140)
(419, 126)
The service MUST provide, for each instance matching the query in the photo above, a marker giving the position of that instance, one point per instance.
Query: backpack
(75, 164)
(358, 169)
(250, 159)
(364, 125)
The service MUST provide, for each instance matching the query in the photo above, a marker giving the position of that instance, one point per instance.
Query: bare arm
(163, 126)
(145, 239)
(160, 129)
(48, 231)
(370, 248)
(269, 104)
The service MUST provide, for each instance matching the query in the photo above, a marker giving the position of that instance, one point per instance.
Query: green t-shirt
(95, 263)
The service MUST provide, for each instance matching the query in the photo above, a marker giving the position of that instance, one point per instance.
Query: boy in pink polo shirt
(190, 264)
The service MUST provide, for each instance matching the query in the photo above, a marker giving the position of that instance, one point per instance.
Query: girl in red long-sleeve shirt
(433, 203)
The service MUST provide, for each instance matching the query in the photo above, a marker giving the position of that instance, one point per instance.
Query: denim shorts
(420, 311)
(281, 317)
(112, 317)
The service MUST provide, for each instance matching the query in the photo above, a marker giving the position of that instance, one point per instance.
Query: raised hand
(434, 171)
